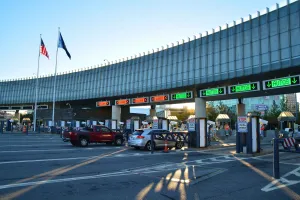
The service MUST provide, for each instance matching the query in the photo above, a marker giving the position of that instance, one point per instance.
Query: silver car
(141, 138)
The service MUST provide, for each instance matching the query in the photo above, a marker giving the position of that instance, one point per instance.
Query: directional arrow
(188, 94)
(269, 84)
(203, 93)
(233, 89)
(253, 86)
(294, 80)
(220, 91)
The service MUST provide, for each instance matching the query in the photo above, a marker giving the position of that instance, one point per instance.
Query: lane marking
(46, 160)
(34, 145)
(46, 150)
(285, 163)
(283, 181)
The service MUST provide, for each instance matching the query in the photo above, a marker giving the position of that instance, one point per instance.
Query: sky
(95, 30)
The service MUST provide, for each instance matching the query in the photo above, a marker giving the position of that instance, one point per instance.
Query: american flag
(43, 49)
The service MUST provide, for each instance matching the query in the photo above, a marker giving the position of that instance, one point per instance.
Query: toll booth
(197, 128)
(223, 122)
(163, 123)
(111, 123)
(133, 124)
(26, 124)
(8, 125)
(286, 120)
(172, 122)
(191, 126)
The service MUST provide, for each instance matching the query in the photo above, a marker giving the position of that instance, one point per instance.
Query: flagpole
(37, 86)
(54, 89)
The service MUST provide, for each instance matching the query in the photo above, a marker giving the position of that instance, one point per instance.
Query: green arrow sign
(281, 82)
(247, 87)
(182, 95)
(213, 92)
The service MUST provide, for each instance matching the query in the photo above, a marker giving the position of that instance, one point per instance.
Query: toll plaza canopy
(223, 118)
(258, 46)
(286, 116)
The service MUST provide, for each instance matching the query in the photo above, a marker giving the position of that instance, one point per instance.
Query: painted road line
(46, 160)
(46, 150)
(157, 168)
(34, 145)
(284, 181)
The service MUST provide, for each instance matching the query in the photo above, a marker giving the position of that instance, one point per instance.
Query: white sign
(191, 124)
(113, 124)
(136, 124)
(106, 122)
(128, 124)
(242, 124)
(164, 124)
(155, 124)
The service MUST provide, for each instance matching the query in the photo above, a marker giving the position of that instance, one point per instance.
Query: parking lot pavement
(35, 168)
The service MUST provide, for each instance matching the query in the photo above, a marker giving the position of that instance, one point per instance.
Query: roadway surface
(44, 167)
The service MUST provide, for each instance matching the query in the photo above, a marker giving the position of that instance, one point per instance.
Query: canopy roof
(286, 116)
(223, 118)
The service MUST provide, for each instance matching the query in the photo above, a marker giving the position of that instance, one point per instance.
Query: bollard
(152, 143)
(166, 150)
(276, 173)
(39, 129)
(27, 129)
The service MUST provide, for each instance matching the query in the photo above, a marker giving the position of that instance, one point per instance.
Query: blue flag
(61, 44)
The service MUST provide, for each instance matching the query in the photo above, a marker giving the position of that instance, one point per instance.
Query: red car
(97, 134)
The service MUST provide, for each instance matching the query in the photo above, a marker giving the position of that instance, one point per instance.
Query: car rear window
(138, 132)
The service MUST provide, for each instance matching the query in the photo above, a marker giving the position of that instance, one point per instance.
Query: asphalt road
(44, 167)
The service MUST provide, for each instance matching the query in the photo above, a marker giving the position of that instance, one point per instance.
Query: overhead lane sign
(159, 98)
(140, 100)
(122, 102)
(213, 92)
(281, 82)
(247, 87)
(182, 95)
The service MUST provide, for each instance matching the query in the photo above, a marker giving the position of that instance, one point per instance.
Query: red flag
(43, 49)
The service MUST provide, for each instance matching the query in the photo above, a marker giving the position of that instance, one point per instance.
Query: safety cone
(166, 150)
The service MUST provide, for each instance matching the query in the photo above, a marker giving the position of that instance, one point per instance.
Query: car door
(106, 134)
(96, 134)
(158, 137)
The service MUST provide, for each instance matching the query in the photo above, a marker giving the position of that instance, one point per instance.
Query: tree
(184, 115)
(284, 105)
(272, 114)
(211, 112)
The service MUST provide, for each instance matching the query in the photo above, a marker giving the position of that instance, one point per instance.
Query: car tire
(83, 142)
(118, 141)
(148, 146)
(179, 145)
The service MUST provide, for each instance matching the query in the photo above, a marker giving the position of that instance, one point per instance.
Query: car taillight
(140, 137)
